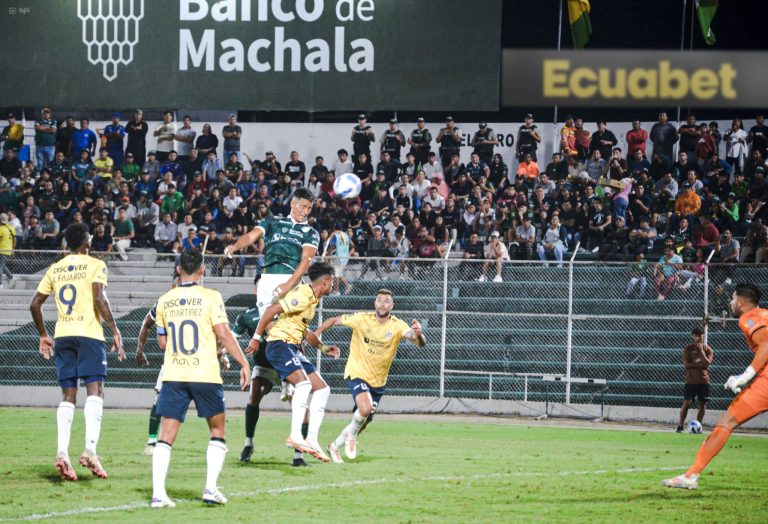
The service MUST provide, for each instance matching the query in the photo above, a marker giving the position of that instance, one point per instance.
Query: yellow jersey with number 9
(70, 281)
(186, 315)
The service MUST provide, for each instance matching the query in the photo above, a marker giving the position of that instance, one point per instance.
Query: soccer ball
(694, 426)
(347, 186)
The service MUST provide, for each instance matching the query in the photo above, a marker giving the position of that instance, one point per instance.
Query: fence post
(444, 319)
(706, 303)
(569, 339)
(320, 321)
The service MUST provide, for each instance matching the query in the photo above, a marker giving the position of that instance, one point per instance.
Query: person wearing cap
(137, 130)
(484, 140)
(165, 132)
(392, 141)
(7, 244)
(12, 134)
(420, 141)
(115, 134)
(494, 251)
(185, 139)
(147, 218)
(45, 138)
(83, 139)
(449, 138)
(232, 134)
(362, 137)
(528, 139)
(64, 134)
(130, 169)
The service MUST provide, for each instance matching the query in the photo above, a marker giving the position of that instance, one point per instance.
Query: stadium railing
(486, 340)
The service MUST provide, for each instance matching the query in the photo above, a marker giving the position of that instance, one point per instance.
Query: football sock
(217, 451)
(92, 411)
(154, 424)
(64, 416)
(707, 451)
(251, 418)
(317, 412)
(161, 459)
(357, 422)
(301, 393)
(304, 431)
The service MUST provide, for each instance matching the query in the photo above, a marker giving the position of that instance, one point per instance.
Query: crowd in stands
(418, 194)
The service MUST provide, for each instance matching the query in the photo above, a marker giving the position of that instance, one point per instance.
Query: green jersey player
(289, 243)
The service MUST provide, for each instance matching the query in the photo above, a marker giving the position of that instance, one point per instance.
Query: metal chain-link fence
(583, 333)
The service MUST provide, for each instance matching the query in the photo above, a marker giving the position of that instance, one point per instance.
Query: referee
(697, 357)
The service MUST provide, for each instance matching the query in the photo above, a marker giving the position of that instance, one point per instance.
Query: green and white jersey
(245, 326)
(284, 238)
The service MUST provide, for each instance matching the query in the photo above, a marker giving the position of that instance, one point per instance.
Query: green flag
(581, 26)
(705, 11)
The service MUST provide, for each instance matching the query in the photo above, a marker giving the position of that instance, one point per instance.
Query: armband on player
(324, 348)
(257, 338)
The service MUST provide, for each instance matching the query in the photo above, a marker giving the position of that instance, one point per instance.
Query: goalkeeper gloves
(736, 382)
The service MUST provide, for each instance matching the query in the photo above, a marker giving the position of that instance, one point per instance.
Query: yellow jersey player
(296, 311)
(77, 283)
(190, 319)
(375, 338)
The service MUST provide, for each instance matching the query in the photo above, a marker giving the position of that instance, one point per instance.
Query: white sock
(64, 416)
(357, 422)
(317, 412)
(92, 411)
(217, 450)
(161, 459)
(248, 441)
(298, 454)
(301, 393)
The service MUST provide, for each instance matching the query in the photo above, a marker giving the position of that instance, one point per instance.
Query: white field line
(342, 485)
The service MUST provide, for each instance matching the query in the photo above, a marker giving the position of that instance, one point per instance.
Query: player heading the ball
(190, 319)
(77, 283)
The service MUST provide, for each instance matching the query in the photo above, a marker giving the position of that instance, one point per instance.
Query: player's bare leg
(707, 451)
(217, 452)
(299, 405)
(348, 436)
(92, 411)
(64, 416)
(259, 387)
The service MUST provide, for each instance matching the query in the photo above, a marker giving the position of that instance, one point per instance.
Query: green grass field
(408, 470)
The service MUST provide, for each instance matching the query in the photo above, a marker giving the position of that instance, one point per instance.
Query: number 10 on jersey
(180, 341)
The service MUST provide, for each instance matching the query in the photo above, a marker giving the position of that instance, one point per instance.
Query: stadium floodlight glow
(110, 31)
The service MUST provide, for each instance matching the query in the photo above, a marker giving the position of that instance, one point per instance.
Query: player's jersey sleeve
(218, 312)
(350, 320)
(160, 317)
(296, 300)
(238, 328)
(99, 274)
(402, 329)
(46, 284)
(266, 226)
(311, 238)
(153, 313)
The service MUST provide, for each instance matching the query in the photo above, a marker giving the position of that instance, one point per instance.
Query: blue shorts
(175, 397)
(287, 358)
(358, 385)
(80, 357)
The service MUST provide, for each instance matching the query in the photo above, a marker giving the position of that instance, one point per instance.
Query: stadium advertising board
(634, 78)
(253, 54)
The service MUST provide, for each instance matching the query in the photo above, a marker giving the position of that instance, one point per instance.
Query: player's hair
(319, 270)
(190, 261)
(385, 291)
(303, 193)
(750, 292)
(76, 235)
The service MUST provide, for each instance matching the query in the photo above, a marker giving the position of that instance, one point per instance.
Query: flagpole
(559, 38)
(682, 43)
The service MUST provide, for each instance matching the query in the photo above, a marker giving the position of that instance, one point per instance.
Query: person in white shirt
(495, 250)
(434, 199)
(343, 164)
(185, 139)
(422, 184)
(165, 134)
(232, 200)
(736, 147)
(395, 188)
(432, 166)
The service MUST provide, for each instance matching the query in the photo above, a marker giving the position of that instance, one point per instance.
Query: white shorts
(265, 292)
(159, 383)
(265, 373)
(339, 266)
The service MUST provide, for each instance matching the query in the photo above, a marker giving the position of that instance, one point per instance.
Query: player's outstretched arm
(245, 240)
(227, 340)
(258, 335)
(146, 325)
(102, 306)
(736, 382)
(307, 253)
(36, 308)
(329, 323)
(415, 335)
(313, 340)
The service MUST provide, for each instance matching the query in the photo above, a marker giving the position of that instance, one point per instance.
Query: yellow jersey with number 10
(70, 281)
(186, 316)
(373, 346)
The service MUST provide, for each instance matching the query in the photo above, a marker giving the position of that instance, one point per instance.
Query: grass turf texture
(406, 471)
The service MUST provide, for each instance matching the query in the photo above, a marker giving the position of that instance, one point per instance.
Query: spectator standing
(392, 141)
(207, 142)
(705, 145)
(137, 130)
(568, 139)
(420, 141)
(636, 139)
(689, 135)
(603, 140)
(583, 140)
(13, 134)
(736, 145)
(449, 139)
(664, 136)
(362, 137)
(758, 136)
(528, 139)
(232, 134)
(185, 139)
(483, 141)
(165, 132)
(64, 135)
(697, 357)
(45, 138)
(83, 139)
(114, 134)
(7, 245)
